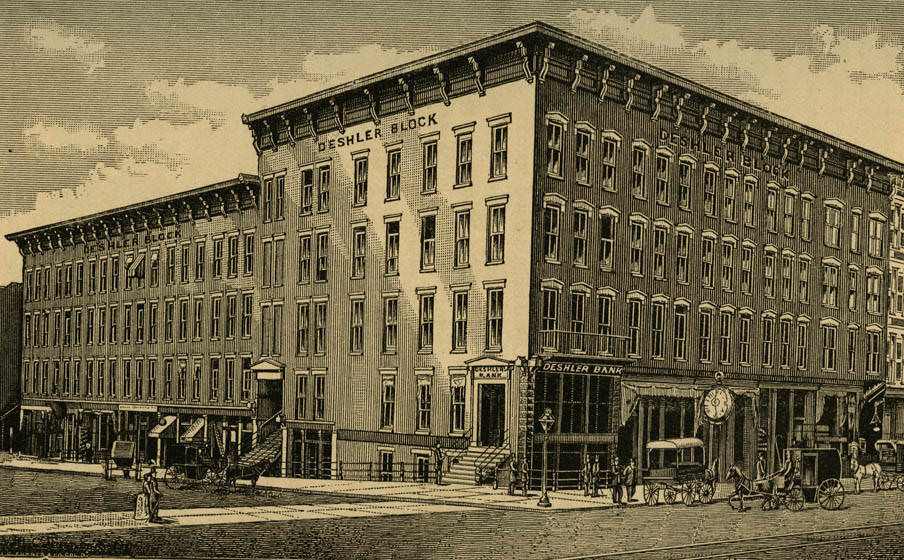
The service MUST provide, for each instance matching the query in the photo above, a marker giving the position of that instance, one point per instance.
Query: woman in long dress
(152, 496)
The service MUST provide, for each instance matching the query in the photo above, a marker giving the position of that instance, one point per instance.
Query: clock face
(717, 404)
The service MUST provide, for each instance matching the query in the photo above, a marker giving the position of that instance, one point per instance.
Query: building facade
(891, 393)
(137, 326)
(10, 361)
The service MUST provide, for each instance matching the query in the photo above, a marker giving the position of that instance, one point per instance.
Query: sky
(108, 103)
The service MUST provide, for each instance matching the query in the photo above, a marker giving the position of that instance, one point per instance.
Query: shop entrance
(269, 398)
(491, 431)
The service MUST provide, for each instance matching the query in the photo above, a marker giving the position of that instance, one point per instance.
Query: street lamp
(546, 422)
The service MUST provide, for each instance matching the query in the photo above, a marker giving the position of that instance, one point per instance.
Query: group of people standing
(622, 479)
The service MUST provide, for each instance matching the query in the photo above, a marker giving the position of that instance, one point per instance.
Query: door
(492, 414)
(269, 398)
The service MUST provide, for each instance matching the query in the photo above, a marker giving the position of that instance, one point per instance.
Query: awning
(679, 443)
(164, 428)
(192, 432)
(269, 369)
(133, 271)
(875, 393)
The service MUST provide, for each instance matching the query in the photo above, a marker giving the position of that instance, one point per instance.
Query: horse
(742, 487)
(234, 472)
(872, 470)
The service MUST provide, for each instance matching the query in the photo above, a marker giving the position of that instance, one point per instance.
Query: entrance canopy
(194, 430)
(679, 443)
(269, 369)
(165, 429)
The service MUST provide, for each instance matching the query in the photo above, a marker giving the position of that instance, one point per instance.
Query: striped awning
(193, 432)
(163, 429)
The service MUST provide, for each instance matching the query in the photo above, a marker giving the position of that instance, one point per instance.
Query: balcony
(573, 343)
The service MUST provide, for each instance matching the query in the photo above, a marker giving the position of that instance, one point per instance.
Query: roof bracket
(442, 85)
(578, 67)
(235, 198)
(746, 141)
(852, 166)
(310, 119)
(289, 132)
(870, 172)
(804, 145)
(544, 67)
(525, 61)
(206, 207)
(251, 194)
(766, 141)
(337, 115)
(191, 214)
(823, 154)
(372, 101)
(604, 82)
(785, 147)
(703, 122)
(630, 92)
(159, 217)
(221, 202)
(679, 101)
(727, 126)
(475, 66)
(270, 133)
(657, 109)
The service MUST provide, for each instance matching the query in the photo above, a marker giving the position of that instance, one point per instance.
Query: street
(334, 527)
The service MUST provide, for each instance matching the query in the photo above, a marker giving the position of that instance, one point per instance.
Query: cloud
(53, 38)
(65, 136)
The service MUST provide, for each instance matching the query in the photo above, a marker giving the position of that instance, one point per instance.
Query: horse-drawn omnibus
(678, 470)
(808, 475)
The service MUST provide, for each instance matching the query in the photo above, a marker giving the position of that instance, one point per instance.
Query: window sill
(458, 351)
(395, 199)
(462, 185)
(427, 270)
(607, 269)
(390, 352)
(495, 179)
(610, 189)
(359, 204)
(425, 351)
(663, 203)
(355, 353)
(494, 350)
(390, 274)
(386, 429)
(462, 266)
(494, 263)
(555, 176)
(305, 213)
(551, 261)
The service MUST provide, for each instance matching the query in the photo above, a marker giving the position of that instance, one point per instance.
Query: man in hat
(587, 475)
(630, 476)
(595, 477)
(615, 481)
(525, 476)
(438, 459)
(152, 495)
(513, 475)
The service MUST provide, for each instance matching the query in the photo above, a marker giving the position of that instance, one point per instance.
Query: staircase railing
(491, 455)
(264, 430)
(454, 455)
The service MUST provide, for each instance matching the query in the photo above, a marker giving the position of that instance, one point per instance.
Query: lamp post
(546, 422)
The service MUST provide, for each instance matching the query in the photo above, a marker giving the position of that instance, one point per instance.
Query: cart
(193, 466)
(891, 459)
(818, 471)
(678, 471)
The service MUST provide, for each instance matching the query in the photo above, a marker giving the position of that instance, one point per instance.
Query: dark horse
(234, 472)
(742, 487)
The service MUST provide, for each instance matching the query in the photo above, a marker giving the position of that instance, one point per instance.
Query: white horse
(872, 470)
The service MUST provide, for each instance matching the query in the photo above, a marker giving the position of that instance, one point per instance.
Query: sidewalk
(445, 494)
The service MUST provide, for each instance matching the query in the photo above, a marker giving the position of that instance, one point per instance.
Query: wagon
(193, 466)
(677, 470)
(818, 473)
(891, 459)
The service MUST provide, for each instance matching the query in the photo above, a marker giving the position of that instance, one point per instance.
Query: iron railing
(375, 470)
(264, 429)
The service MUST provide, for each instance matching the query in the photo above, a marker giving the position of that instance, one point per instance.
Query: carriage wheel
(174, 477)
(670, 494)
(688, 495)
(651, 494)
(794, 501)
(707, 490)
(830, 494)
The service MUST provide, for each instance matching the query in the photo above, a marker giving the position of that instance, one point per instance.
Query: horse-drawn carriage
(678, 470)
(807, 475)
(891, 461)
(193, 466)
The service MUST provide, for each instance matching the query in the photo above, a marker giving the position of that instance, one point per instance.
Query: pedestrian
(615, 481)
(152, 496)
(595, 477)
(438, 458)
(525, 476)
(587, 475)
(761, 483)
(513, 475)
(630, 476)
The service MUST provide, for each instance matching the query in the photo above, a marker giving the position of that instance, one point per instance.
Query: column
(790, 417)
(639, 428)
(284, 462)
(773, 404)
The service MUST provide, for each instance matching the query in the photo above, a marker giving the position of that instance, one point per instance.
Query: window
(659, 247)
(114, 273)
(319, 397)
(494, 318)
(183, 320)
(304, 258)
(551, 216)
(828, 347)
(306, 204)
(217, 258)
(554, 148)
(463, 152)
(79, 278)
(582, 157)
(662, 178)
(231, 313)
(425, 330)
(112, 377)
(58, 285)
(657, 330)
(424, 390)
(744, 339)
(196, 382)
(89, 378)
(169, 311)
(830, 285)
(608, 224)
(853, 283)
(873, 289)
(639, 177)
(873, 342)
(359, 251)
(679, 351)
(356, 329)
(247, 310)
(710, 178)
(229, 383)
(706, 263)
(749, 201)
(610, 149)
(361, 181)
(460, 321)
(725, 337)
(705, 335)
(393, 174)
(167, 379)
(768, 341)
(67, 326)
(496, 234)
(875, 238)
(462, 238)
(833, 226)
(806, 210)
(855, 234)
(789, 214)
(67, 378)
(728, 265)
(746, 269)
(637, 247)
(499, 153)
(769, 273)
(787, 277)
(785, 338)
(301, 396)
(196, 331)
(323, 188)
(387, 403)
(114, 324)
(232, 261)
(199, 261)
(323, 248)
(302, 326)
(685, 168)
(635, 321)
(268, 263)
(578, 312)
(392, 247)
(248, 260)
(579, 256)
(216, 312)
(605, 304)
(549, 324)
(804, 267)
(213, 389)
(390, 324)
(186, 263)
(802, 345)
(428, 243)
(728, 197)
(457, 389)
(267, 202)
(247, 378)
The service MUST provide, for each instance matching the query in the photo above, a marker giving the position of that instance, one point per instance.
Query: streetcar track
(738, 555)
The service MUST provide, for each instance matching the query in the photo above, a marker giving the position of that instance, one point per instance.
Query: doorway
(491, 431)
(269, 398)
